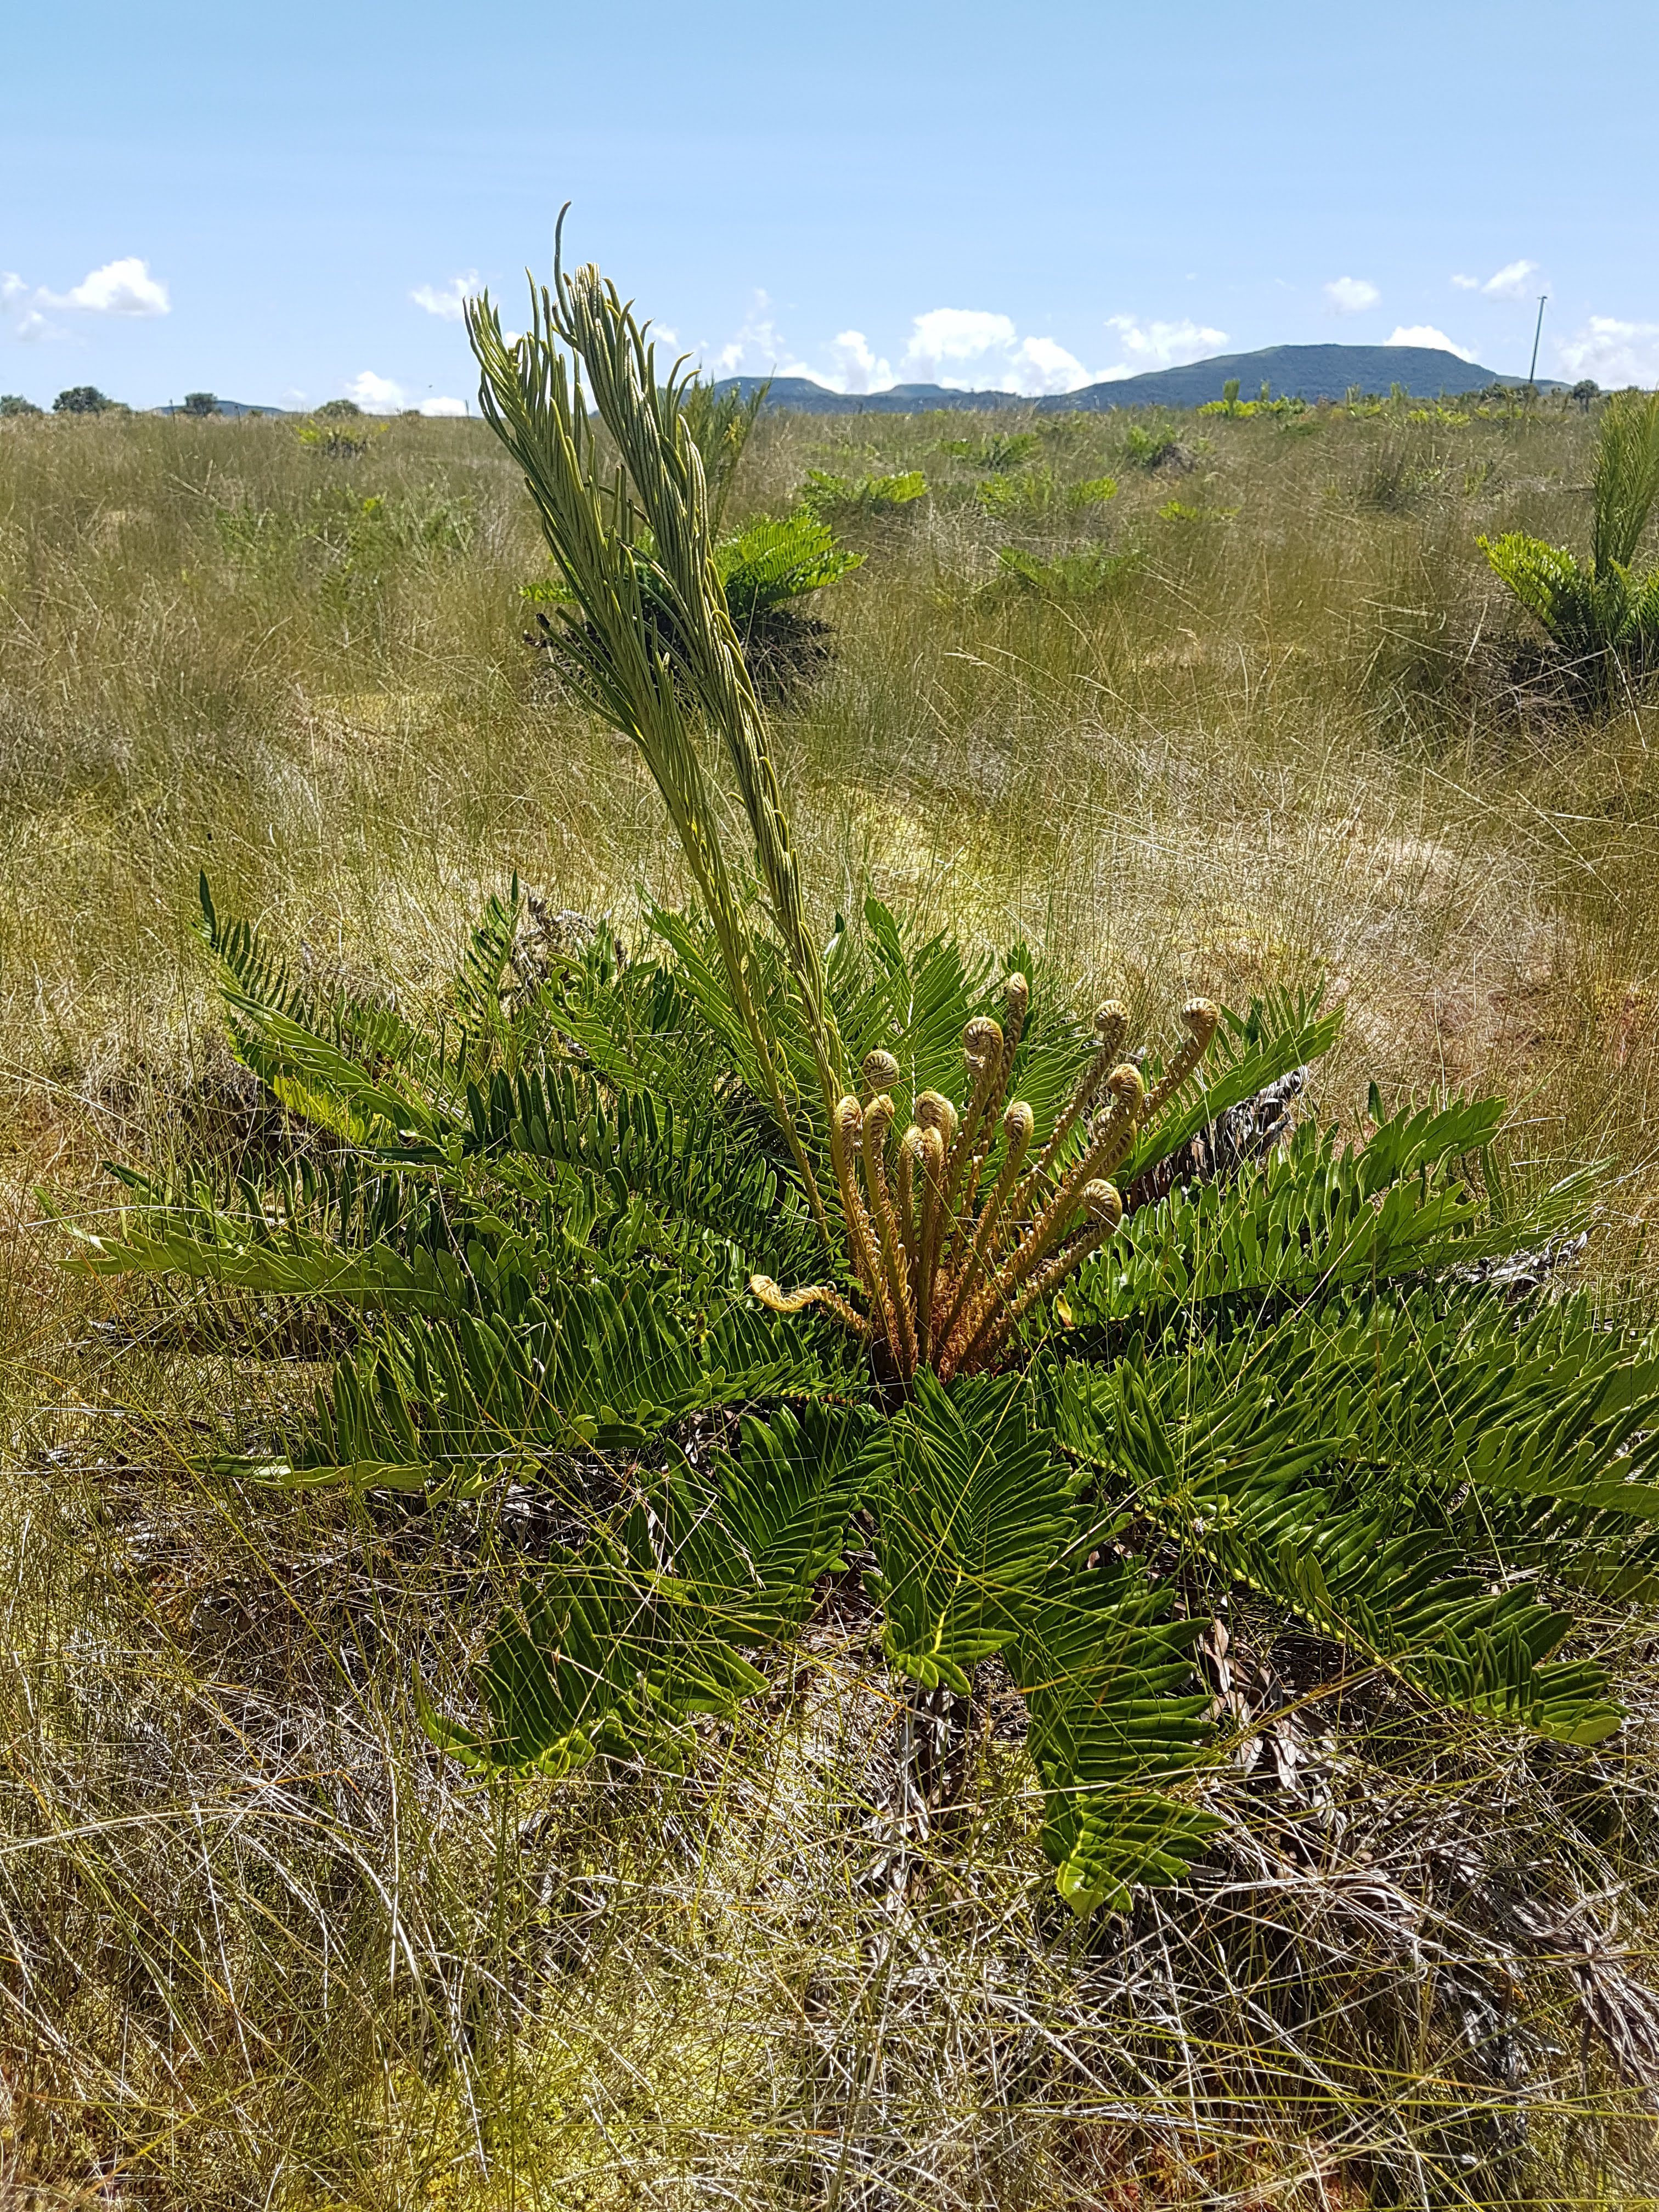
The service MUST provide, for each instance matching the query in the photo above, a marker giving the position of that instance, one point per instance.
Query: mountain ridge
(1294, 372)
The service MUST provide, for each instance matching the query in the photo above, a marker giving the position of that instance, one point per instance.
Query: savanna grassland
(259, 1944)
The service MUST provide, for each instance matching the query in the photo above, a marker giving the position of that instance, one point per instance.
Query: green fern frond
(606, 1363)
(485, 977)
(1626, 483)
(774, 561)
(1102, 1671)
(972, 1506)
(1545, 579)
(1321, 1462)
(616, 1646)
(601, 1653)
(755, 1542)
(708, 1172)
(1313, 1217)
(834, 498)
(1068, 575)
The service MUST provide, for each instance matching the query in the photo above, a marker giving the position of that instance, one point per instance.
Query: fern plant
(1038, 494)
(765, 571)
(867, 499)
(1068, 576)
(999, 454)
(1601, 614)
(746, 1252)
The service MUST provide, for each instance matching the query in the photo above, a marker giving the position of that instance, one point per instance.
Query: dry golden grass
(259, 1946)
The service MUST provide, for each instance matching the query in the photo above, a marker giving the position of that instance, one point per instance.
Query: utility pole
(1538, 332)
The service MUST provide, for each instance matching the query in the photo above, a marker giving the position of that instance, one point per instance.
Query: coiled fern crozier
(1602, 617)
(743, 1253)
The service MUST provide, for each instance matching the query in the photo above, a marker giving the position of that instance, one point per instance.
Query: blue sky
(283, 205)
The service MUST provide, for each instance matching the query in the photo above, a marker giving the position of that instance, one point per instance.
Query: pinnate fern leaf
(1266, 1456)
(616, 1646)
(1106, 1677)
(972, 1506)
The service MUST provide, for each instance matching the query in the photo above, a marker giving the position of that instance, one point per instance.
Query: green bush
(1067, 575)
(339, 430)
(999, 453)
(771, 563)
(1601, 615)
(82, 400)
(847, 499)
(1039, 493)
(1154, 445)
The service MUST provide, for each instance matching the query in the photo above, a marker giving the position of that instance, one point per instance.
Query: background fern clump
(764, 570)
(1602, 615)
(839, 1512)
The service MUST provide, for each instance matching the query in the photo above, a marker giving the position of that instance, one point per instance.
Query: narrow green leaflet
(1314, 1219)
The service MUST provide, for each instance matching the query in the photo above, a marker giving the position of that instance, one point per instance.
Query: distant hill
(802, 396)
(1305, 372)
(228, 407)
(1309, 372)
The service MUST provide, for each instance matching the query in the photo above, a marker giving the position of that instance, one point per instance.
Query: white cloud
(1044, 365)
(1612, 352)
(377, 395)
(1424, 334)
(947, 338)
(384, 395)
(857, 367)
(1349, 295)
(758, 349)
(1511, 282)
(448, 302)
(119, 288)
(28, 322)
(975, 350)
(1159, 345)
(964, 348)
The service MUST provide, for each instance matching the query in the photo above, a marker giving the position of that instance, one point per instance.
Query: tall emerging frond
(593, 518)
(1600, 615)
(1626, 482)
